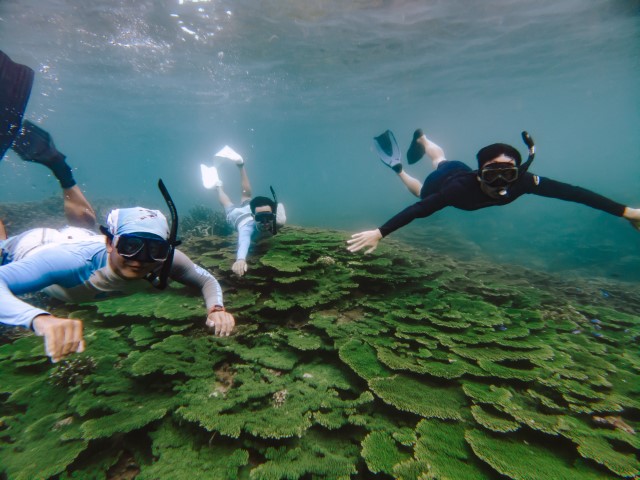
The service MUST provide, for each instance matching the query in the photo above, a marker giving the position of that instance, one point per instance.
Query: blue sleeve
(244, 240)
(49, 267)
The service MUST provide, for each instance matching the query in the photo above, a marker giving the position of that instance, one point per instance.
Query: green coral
(523, 459)
(423, 398)
(201, 220)
(382, 452)
(492, 421)
(316, 455)
(174, 448)
(42, 450)
(441, 452)
(403, 365)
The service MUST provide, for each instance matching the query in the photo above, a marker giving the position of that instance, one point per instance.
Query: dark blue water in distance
(133, 90)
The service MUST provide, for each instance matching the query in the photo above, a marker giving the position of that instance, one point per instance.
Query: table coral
(403, 364)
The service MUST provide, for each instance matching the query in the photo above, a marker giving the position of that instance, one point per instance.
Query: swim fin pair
(210, 177)
(389, 151)
(16, 81)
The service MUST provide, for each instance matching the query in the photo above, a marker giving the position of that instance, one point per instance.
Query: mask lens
(492, 174)
(142, 249)
(129, 246)
(158, 249)
(264, 217)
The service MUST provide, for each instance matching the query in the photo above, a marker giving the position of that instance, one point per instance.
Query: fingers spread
(356, 245)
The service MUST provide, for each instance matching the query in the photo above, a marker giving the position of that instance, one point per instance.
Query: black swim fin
(388, 150)
(416, 150)
(36, 145)
(15, 88)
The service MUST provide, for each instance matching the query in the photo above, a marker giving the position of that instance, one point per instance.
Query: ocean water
(136, 90)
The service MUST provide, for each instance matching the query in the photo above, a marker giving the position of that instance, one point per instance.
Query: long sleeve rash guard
(79, 272)
(463, 191)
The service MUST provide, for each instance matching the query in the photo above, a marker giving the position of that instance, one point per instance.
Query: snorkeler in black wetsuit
(500, 179)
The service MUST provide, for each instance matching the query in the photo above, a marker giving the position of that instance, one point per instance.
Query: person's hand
(633, 215)
(222, 323)
(239, 267)
(370, 239)
(62, 336)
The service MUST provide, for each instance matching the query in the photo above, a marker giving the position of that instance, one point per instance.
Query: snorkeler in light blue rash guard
(76, 265)
(78, 271)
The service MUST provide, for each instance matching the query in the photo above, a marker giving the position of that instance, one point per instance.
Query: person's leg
(246, 185)
(420, 145)
(3, 231)
(223, 198)
(36, 145)
(411, 183)
(435, 152)
(77, 208)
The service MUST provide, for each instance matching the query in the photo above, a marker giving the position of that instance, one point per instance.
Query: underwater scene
(467, 343)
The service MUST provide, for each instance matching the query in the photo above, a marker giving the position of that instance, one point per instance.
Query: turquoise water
(136, 90)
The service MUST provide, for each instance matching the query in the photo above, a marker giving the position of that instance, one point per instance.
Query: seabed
(404, 364)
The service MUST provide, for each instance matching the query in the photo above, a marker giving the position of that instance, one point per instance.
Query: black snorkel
(522, 169)
(161, 281)
(275, 211)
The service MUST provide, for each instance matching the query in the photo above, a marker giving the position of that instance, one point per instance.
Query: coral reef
(403, 364)
(202, 221)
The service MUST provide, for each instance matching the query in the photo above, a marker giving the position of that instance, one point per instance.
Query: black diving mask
(499, 175)
(141, 248)
(264, 218)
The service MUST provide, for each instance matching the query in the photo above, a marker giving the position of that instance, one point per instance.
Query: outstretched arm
(62, 336)
(564, 191)
(188, 273)
(421, 209)
(239, 267)
(547, 187)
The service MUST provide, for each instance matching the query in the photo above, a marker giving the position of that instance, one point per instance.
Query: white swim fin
(229, 153)
(210, 177)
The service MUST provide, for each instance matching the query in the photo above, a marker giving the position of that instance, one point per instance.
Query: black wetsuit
(455, 184)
